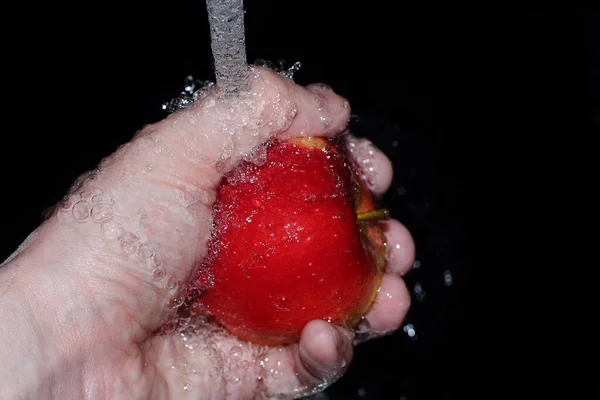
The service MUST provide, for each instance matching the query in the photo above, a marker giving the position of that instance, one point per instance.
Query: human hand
(103, 277)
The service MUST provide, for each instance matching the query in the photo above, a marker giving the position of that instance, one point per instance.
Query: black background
(438, 90)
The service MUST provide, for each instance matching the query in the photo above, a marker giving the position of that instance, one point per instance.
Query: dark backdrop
(83, 79)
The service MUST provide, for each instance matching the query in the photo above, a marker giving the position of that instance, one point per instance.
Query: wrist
(41, 352)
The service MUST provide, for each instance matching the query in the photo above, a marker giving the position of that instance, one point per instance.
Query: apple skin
(287, 247)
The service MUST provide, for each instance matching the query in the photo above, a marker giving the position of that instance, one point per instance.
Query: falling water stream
(228, 44)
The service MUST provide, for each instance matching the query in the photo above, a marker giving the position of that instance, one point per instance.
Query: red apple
(295, 238)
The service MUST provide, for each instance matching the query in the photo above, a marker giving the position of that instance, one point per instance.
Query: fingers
(375, 168)
(388, 311)
(400, 247)
(320, 358)
(325, 351)
(321, 112)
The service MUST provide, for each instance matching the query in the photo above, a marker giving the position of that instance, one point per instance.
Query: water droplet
(191, 346)
(145, 251)
(291, 71)
(419, 291)
(448, 280)
(177, 301)
(178, 292)
(283, 304)
(274, 373)
(129, 243)
(112, 229)
(409, 329)
(102, 211)
(81, 211)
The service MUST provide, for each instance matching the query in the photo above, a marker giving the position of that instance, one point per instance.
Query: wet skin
(83, 299)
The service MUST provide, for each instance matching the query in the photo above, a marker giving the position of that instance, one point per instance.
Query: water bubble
(171, 283)
(67, 203)
(178, 294)
(419, 291)
(87, 194)
(145, 251)
(338, 295)
(97, 198)
(416, 264)
(158, 273)
(129, 243)
(102, 211)
(81, 211)
(401, 191)
(448, 280)
(236, 351)
(245, 364)
(362, 392)
(112, 229)
(155, 260)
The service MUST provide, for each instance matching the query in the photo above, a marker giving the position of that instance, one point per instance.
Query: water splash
(194, 89)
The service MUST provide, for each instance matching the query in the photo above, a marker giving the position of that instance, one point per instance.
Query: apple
(295, 238)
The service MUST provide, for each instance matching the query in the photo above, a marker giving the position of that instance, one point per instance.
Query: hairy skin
(87, 299)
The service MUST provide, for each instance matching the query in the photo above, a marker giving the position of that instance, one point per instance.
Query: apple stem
(381, 214)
